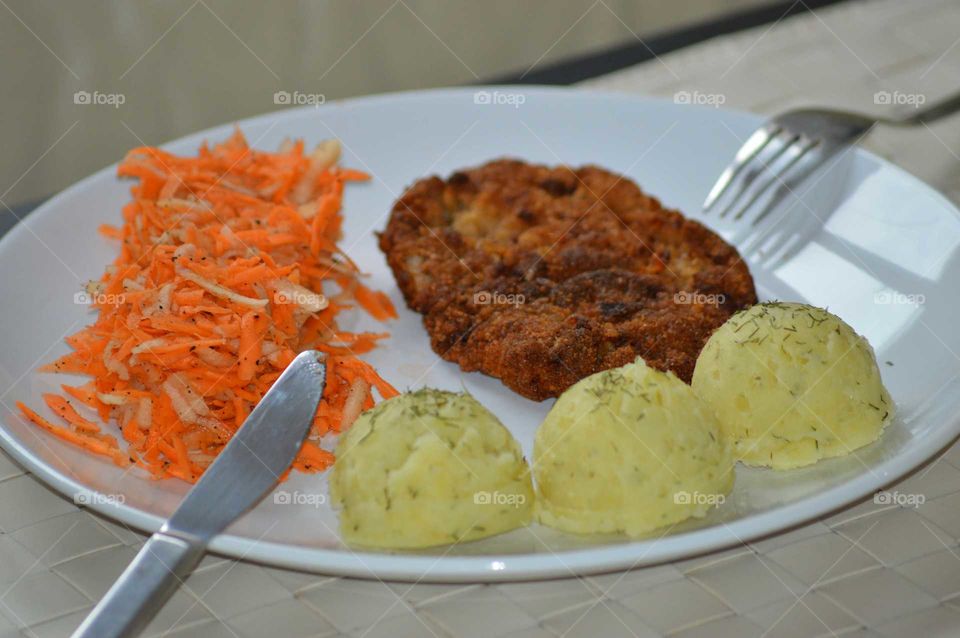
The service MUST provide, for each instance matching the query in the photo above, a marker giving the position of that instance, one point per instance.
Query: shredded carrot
(218, 285)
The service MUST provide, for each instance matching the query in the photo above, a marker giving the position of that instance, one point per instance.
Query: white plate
(889, 242)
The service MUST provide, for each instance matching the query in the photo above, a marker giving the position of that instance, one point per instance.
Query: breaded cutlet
(540, 276)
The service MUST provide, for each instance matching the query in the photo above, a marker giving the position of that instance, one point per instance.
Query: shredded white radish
(189, 204)
(237, 188)
(130, 284)
(145, 412)
(289, 292)
(354, 403)
(214, 358)
(112, 364)
(111, 399)
(166, 298)
(325, 155)
(184, 250)
(148, 345)
(188, 405)
(221, 291)
(171, 187)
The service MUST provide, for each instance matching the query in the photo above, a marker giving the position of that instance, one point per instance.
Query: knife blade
(242, 474)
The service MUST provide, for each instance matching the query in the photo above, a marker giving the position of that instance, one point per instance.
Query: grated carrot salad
(218, 286)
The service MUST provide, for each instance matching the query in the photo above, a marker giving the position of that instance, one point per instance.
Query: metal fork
(788, 148)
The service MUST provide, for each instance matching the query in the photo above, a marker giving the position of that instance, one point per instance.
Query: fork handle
(943, 108)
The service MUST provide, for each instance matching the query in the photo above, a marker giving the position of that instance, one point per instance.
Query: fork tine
(782, 237)
(825, 153)
(754, 169)
(799, 151)
(754, 144)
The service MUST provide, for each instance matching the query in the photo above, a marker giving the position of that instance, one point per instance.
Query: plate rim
(503, 567)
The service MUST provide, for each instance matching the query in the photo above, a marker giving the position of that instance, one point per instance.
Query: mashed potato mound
(629, 450)
(792, 384)
(429, 468)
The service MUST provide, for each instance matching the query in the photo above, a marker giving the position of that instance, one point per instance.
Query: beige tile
(127, 535)
(40, 597)
(295, 581)
(93, 574)
(9, 467)
(929, 79)
(952, 456)
(939, 622)
(822, 558)
(351, 604)
(420, 593)
(864, 508)
(531, 632)
(209, 561)
(938, 574)
(407, 625)
(877, 596)
(211, 629)
(233, 588)
(944, 512)
(172, 616)
(62, 627)
(182, 610)
(933, 481)
(896, 536)
(879, 55)
(804, 532)
(714, 558)
(479, 613)
(540, 599)
(24, 501)
(64, 537)
(729, 627)
(289, 618)
(620, 584)
(16, 561)
(813, 615)
(609, 619)
(8, 627)
(675, 605)
(749, 582)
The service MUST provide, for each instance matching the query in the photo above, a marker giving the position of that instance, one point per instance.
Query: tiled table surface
(867, 571)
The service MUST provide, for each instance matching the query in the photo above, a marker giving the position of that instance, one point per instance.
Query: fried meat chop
(541, 276)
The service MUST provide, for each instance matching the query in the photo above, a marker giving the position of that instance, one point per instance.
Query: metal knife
(244, 472)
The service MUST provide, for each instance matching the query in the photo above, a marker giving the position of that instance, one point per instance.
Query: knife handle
(145, 585)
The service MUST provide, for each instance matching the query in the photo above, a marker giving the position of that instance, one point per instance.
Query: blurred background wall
(86, 80)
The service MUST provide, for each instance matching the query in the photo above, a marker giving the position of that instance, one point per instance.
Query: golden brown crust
(541, 276)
